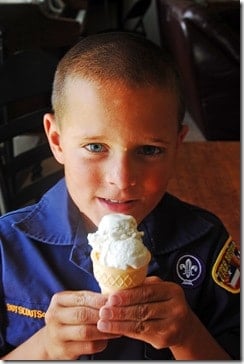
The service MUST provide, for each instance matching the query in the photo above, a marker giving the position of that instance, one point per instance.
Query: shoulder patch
(226, 269)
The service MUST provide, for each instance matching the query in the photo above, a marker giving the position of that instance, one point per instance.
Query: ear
(52, 131)
(181, 134)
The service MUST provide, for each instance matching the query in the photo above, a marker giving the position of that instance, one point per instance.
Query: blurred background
(204, 36)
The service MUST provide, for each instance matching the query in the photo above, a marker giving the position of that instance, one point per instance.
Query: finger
(138, 312)
(82, 333)
(150, 291)
(153, 331)
(152, 280)
(158, 333)
(73, 315)
(79, 298)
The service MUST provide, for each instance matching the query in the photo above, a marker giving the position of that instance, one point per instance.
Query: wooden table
(208, 175)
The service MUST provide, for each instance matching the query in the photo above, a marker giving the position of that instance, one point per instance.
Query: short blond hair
(121, 56)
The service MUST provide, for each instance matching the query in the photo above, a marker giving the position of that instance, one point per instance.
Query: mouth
(117, 205)
(107, 200)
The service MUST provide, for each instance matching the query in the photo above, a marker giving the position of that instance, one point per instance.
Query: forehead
(116, 105)
(113, 94)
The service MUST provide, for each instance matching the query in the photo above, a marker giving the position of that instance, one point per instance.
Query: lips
(117, 201)
(115, 205)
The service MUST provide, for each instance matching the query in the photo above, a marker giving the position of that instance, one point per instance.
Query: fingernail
(103, 325)
(105, 313)
(114, 300)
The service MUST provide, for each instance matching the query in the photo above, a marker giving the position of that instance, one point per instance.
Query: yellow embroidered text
(20, 310)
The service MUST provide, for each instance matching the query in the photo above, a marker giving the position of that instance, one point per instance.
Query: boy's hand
(71, 325)
(156, 312)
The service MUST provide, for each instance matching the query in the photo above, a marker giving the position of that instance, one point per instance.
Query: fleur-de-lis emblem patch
(189, 270)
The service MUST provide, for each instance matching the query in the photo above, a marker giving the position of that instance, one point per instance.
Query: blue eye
(150, 150)
(95, 147)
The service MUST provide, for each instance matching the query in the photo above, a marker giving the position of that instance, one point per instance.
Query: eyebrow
(97, 137)
(102, 137)
(157, 140)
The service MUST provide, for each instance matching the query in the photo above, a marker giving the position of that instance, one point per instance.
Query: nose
(121, 172)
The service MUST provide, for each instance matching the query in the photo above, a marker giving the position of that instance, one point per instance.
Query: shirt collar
(172, 225)
(54, 219)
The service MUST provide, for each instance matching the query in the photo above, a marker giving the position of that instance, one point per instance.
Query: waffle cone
(113, 279)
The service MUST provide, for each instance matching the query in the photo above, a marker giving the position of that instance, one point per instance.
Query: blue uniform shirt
(44, 249)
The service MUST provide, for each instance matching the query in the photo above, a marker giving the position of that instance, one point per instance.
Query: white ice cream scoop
(119, 243)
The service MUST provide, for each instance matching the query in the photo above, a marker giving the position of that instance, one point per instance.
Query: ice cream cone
(113, 279)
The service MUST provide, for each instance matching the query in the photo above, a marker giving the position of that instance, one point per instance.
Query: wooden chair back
(27, 168)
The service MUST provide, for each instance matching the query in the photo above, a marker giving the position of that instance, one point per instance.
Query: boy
(116, 128)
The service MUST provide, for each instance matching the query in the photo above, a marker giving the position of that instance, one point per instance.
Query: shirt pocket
(22, 320)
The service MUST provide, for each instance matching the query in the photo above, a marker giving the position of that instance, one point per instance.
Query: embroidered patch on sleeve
(226, 269)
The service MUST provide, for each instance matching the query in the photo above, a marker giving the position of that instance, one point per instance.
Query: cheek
(82, 182)
(155, 185)
(82, 174)
(76, 171)
(160, 175)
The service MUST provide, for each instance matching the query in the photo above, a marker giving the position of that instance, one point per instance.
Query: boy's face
(118, 146)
